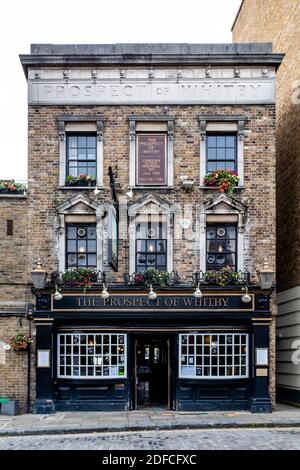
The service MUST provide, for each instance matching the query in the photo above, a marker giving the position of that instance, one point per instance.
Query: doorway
(152, 371)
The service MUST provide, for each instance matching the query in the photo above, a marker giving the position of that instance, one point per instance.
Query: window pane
(211, 153)
(91, 154)
(220, 141)
(82, 141)
(221, 154)
(230, 166)
(141, 245)
(82, 154)
(91, 142)
(72, 232)
(230, 154)
(91, 232)
(221, 166)
(92, 261)
(72, 140)
(71, 245)
(230, 141)
(82, 259)
(91, 247)
(72, 261)
(211, 141)
(211, 166)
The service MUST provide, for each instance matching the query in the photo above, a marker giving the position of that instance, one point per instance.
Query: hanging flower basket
(225, 180)
(20, 342)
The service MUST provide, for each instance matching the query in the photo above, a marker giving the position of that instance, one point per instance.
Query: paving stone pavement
(149, 419)
(214, 439)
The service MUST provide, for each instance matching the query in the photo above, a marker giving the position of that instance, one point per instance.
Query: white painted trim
(63, 149)
(240, 147)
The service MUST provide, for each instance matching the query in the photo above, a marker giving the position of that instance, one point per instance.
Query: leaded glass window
(213, 355)
(151, 245)
(87, 355)
(81, 248)
(221, 249)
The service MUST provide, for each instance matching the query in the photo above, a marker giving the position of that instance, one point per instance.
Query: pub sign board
(151, 159)
(136, 302)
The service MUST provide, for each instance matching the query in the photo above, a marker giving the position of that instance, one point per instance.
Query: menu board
(151, 159)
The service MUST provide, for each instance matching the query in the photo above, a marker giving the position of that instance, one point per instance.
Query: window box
(11, 187)
(222, 277)
(81, 180)
(224, 180)
(154, 277)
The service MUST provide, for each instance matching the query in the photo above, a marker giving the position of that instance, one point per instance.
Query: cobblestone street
(225, 439)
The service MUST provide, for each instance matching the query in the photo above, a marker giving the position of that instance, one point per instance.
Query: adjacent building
(160, 281)
(277, 21)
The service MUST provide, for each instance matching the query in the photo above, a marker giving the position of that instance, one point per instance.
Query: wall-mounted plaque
(261, 356)
(43, 358)
(261, 372)
(151, 159)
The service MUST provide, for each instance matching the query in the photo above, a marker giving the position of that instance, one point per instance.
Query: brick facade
(44, 196)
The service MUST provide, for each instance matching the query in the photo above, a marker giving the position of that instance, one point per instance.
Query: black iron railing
(223, 277)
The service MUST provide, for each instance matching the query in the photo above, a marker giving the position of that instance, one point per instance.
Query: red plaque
(151, 159)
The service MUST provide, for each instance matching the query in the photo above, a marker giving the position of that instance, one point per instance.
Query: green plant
(225, 180)
(83, 178)
(20, 341)
(12, 186)
(79, 277)
(222, 277)
(155, 277)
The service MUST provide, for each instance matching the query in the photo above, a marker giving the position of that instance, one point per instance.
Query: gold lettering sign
(127, 302)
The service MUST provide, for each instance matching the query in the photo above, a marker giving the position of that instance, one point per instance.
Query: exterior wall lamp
(265, 276)
(197, 292)
(151, 295)
(104, 294)
(246, 298)
(38, 275)
(57, 294)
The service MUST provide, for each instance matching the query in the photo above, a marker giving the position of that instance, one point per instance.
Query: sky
(91, 21)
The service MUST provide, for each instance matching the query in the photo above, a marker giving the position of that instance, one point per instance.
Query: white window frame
(82, 124)
(97, 377)
(148, 205)
(213, 377)
(225, 208)
(223, 124)
(133, 120)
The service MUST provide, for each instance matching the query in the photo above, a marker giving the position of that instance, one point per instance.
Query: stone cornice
(52, 55)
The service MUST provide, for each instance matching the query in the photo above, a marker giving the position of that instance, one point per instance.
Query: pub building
(152, 278)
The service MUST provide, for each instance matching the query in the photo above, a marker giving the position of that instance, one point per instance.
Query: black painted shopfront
(177, 352)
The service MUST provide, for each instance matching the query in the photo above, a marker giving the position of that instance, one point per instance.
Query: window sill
(215, 188)
(79, 188)
(159, 188)
(15, 195)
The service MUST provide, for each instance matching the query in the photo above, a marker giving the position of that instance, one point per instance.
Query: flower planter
(7, 191)
(81, 183)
